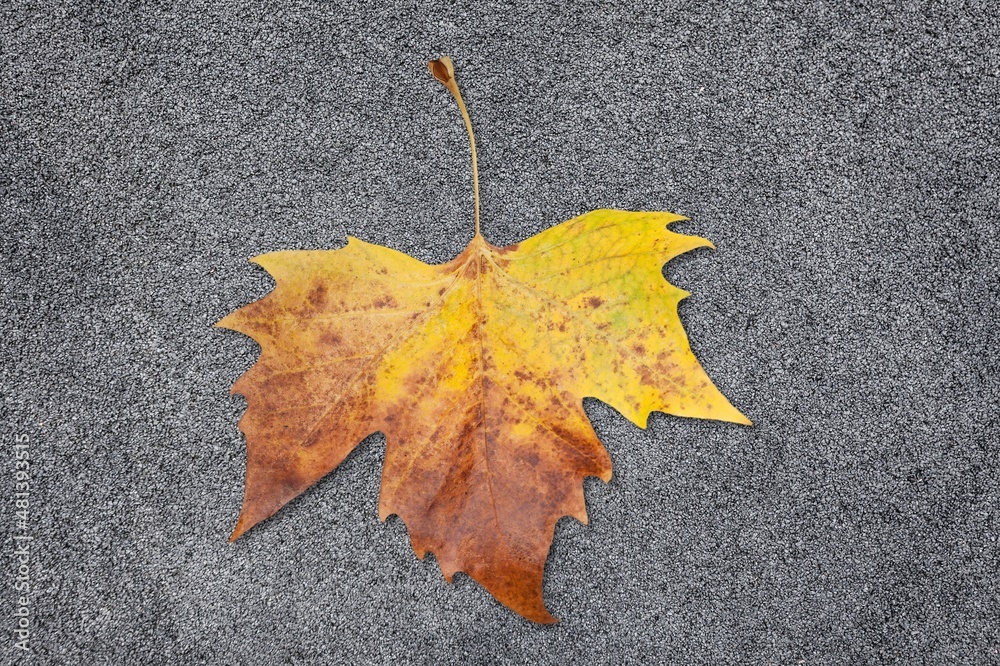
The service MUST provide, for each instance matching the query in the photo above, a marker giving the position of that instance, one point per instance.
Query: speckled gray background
(844, 160)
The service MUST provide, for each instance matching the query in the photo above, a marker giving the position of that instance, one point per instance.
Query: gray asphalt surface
(844, 161)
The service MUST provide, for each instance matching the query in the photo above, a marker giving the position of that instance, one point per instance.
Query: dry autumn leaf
(475, 371)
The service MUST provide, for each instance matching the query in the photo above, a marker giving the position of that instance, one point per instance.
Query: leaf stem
(444, 71)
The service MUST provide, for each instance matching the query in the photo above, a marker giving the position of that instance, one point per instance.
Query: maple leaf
(475, 370)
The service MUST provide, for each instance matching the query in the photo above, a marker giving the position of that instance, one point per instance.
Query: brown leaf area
(475, 371)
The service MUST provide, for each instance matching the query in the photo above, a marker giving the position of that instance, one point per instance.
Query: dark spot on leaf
(330, 339)
(317, 296)
(563, 432)
(595, 301)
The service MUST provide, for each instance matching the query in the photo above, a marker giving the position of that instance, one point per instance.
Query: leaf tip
(730, 415)
(547, 618)
(238, 531)
(225, 322)
(248, 518)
